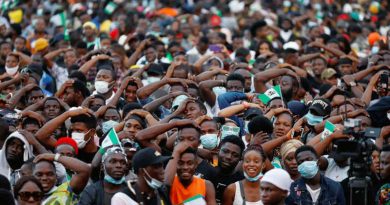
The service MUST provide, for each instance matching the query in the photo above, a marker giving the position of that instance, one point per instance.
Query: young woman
(289, 163)
(28, 190)
(247, 191)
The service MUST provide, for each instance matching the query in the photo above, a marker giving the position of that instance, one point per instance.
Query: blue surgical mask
(246, 126)
(219, 90)
(111, 180)
(313, 119)
(209, 141)
(308, 169)
(153, 183)
(374, 49)
(107, 125)
(252, 179)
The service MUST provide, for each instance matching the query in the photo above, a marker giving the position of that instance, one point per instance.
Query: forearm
(39, 148)
(34, 107)
(49, 56)
(82, 170)
(356, 91)
(134, 57)
(170, 170)
(116, 97)
(44, 133)
(362, 74)
(231, 110)
(366, 97)
(206, 76)
(334, 119)
(334, 51)
(138, 73)
(152, 106)
(152, 132)
(95, 166)
(269, 146)
(307, 57)
(8, 83)
(88, 65)
(198, 64)
(262, 77)
(24, 59)
(146, 91)
(321, 146)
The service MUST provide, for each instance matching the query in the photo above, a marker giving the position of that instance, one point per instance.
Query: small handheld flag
(270, 94)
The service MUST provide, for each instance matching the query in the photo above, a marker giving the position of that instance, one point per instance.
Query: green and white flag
(328, 130)
(111, 139)
(65, 25)
(97, 43)
(270, 94)
(110, 8)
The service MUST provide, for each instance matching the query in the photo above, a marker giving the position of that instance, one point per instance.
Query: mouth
(251, 171)
(186, 175)
(279, 133)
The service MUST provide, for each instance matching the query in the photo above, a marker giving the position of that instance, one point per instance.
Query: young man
(149, 188)
(313, 187)
(382, 195)
(83, 126)
(185, 186)
(114, 166)
(274, 187)
(45, 171)
(231, 148)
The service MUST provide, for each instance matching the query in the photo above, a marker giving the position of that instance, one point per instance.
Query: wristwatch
(57, 156)
(352, 83)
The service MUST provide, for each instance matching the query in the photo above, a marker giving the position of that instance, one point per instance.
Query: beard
(287, 95)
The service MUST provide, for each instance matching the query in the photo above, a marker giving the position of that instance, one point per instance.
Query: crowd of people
(158, 102)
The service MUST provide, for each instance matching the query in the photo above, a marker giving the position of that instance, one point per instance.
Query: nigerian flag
(328, 130)
(62, 16)
(270, 94)
(110, 8)
(111, 139)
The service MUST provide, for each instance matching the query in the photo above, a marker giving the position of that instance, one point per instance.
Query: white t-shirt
(314, 193)
(335, 172)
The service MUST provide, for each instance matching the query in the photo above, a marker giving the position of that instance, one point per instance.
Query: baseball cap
(320, 107)
(328, 73)
(297, 108)
(291, 46)
(278, 177)
(252, 112)
(147, 157)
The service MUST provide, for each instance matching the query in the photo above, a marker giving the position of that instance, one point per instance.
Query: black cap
(320, 107)
(334, 154)
(147, 157)
(252, 112)
(34, 68)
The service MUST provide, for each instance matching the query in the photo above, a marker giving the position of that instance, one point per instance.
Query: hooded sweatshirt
(5, 168)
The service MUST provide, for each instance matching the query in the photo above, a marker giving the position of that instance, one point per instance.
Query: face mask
(388, 115)
(219, 90)
(79, 138)
(252, 179)
(153, 183)
(374, 49)
(229, 130)
(111, 180)
(107, 125)
(152, 79)
(246, 126)
(313, 119)
(11, 70)
(209, 141)
(101, 87)
(308, 169)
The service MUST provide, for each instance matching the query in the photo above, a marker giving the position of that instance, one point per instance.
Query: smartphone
(384, 80)
(215, 48)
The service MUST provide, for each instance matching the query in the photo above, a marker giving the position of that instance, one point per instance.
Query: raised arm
(171, 168)
(235, 109)
(14, 101)
(82, 170)
(262, 78)
(206, 90)
(336, 52)
(89, 64)
(137, 53)
(198, 64)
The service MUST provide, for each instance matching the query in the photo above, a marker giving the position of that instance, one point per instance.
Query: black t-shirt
(86, 157)
(161, 195)
(205, 171)
(221, 181)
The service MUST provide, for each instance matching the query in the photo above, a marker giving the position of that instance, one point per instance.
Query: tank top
(179, 193)
(238, 198)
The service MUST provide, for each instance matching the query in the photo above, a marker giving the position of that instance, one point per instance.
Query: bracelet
(57, 156)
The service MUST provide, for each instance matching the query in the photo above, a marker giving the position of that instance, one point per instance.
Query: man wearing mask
(105, 81)
(114, 166)
(149, 188)
(83, 128)
(231, 148)
(312, 187)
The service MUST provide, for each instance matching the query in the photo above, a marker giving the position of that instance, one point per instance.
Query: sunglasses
(36, 195)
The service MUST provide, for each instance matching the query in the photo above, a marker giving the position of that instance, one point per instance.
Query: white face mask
(153, 79)
(11, 70)
(101, 86)
(79, 138)
(388, 115)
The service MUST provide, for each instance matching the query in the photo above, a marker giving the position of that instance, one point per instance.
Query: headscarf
(288, 147)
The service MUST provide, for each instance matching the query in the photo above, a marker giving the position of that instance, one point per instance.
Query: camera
(384, 80)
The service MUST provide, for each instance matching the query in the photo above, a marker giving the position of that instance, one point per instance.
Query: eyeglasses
(25, 196)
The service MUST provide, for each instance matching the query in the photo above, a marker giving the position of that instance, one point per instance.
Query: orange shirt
(179, 193)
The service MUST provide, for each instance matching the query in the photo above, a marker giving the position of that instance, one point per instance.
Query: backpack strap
(242, 192)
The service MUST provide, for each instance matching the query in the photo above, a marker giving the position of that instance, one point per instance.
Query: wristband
(246, 105)
(57, 156)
